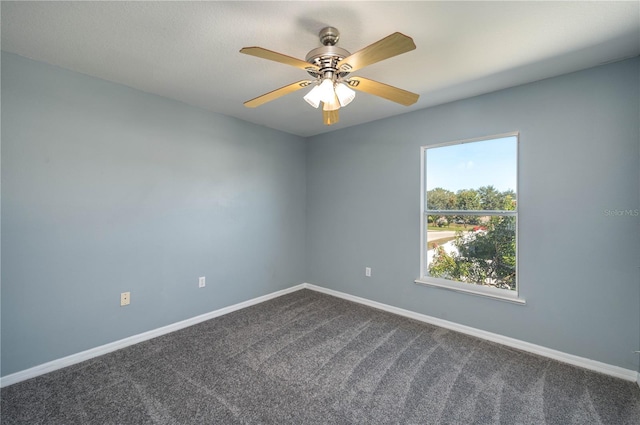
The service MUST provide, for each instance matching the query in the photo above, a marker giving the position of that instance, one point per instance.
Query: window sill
(497, 294)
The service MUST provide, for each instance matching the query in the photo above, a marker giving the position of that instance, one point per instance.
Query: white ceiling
(189, 50)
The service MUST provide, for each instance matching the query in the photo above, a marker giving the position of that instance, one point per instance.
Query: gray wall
(579, 156)
(107, 189)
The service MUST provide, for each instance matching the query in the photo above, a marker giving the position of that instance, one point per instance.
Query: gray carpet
(309, 358)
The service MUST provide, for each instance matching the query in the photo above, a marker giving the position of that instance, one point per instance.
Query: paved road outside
(432, 235)
(448, 247)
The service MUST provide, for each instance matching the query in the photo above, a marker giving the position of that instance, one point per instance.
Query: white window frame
(484, 291)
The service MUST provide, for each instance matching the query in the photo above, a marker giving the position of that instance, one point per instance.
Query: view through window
(470, 213)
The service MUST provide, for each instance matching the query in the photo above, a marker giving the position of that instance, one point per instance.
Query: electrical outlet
(201, 282)
(125, 298)
(367, 271)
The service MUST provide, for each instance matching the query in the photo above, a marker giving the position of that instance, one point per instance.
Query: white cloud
(465, 165)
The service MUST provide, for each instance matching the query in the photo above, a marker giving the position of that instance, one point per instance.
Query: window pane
(472, 176)
(479, 250)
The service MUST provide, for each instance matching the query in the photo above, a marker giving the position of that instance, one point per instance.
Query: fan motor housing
(326, 58)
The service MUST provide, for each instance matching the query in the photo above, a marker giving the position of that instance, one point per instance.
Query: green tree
(490, 198)
(509, 200)
(467, 199)
(443, 264)
(441, 199)
(484, 257)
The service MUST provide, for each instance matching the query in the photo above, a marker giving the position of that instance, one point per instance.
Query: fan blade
(278, 57)
(330, 117)
(272, 95)
(390, 46)
(386, 91)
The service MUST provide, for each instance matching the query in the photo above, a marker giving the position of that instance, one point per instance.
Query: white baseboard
(116, 345)
(616, 371)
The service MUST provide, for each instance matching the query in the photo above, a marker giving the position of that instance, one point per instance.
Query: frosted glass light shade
(332, 96)
(326, 90)
(314, 97)
(345, 94)
(332, 105)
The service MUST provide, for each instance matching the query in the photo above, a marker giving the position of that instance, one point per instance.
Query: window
(470, 216)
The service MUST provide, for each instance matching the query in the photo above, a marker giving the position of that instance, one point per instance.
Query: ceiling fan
(330, 67)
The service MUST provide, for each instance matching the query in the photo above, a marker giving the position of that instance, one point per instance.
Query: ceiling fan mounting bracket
(329, 36)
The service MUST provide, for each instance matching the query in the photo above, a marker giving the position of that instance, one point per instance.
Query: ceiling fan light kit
(332, 105)
(330, 67)
(345, 94)
(314, 97)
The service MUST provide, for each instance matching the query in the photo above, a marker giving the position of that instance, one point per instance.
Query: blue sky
(472, 165)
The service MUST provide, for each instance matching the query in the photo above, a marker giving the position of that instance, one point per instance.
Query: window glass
(470, 213)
